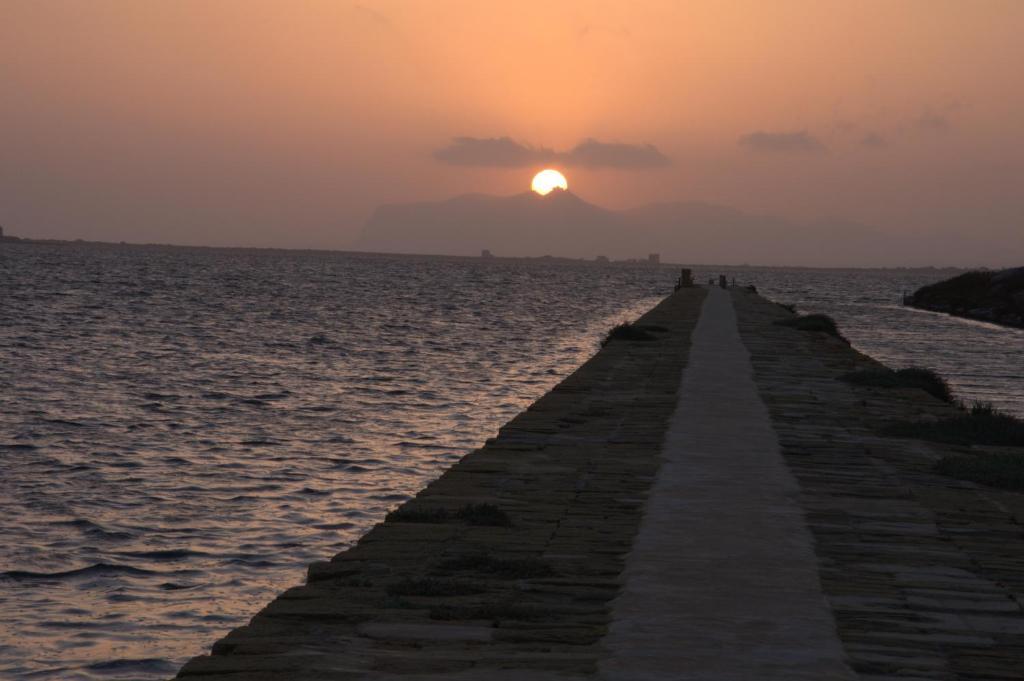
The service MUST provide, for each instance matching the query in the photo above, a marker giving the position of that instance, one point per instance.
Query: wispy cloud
(372, 14)
(591, 153)
(498, 152)
(932, 122)
(796, 142)
(873, 140)
(504, 152)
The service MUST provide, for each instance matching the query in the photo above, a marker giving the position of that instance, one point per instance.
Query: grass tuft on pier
(483, 514)
(633, 332)
(913, 377)
(1003, 470)
(982, 424)
(821, 323)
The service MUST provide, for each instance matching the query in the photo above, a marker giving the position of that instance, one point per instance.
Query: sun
(548, 179)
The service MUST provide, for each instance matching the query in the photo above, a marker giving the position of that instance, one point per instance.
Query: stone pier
(703, 501)
(723, 559)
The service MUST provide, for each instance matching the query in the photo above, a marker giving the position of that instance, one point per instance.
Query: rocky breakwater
(921, 564)
(505, 565)
(996, 297)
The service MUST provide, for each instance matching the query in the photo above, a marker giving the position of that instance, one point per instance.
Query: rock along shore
(996, 297)
(513, 564)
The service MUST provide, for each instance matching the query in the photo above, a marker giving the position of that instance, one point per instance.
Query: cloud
(500, 152)
(591, 153)
(504, 152)
(932, 122)
(372, 14)
(873, 140)
(798, 142)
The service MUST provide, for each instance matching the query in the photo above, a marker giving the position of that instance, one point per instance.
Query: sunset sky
(285, 123)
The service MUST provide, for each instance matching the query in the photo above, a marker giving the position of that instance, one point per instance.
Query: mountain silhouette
(521, 225)
(563, 224)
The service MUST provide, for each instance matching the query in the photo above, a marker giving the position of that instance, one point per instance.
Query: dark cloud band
(504, 152)
(799, 142)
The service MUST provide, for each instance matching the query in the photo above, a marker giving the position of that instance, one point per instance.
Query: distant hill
(562, 224)
(528, 224)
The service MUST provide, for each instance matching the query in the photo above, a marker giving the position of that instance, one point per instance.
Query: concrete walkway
(722, 582)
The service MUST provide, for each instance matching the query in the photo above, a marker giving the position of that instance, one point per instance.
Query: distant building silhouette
(486, 253)
(654, 258)
(601, 258)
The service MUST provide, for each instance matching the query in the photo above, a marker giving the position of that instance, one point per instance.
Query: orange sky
(284, 123)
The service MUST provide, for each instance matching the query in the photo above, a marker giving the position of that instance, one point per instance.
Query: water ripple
(182, 431)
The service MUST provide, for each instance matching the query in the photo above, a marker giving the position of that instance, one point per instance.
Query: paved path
(722, 582)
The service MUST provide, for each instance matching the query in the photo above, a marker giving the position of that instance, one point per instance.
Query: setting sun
(546, 180)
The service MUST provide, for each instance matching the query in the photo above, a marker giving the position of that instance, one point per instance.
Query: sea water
(183, 430)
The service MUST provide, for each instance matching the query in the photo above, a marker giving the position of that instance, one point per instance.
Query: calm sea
(183, 430)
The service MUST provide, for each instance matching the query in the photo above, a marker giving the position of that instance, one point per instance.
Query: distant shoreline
(531, 258)
(474, 258)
